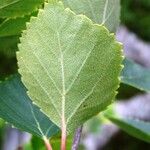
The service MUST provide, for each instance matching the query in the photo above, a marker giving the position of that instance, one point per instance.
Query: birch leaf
(18, 8)
(135, 75)
(135, 127)
(14, 26)
(69, 65)
(17, 109)
(11, 27)
(105, 12)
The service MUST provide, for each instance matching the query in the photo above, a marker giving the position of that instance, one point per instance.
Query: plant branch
(47, 144)
(77, 138)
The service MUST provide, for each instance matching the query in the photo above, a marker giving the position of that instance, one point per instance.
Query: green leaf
(126, 92)
(134, 127)
(18, 8)
(8, 62)
(14, 26)
(8, 45)
(135, 75)
(17, 109)
(105, 12)
(69, 65)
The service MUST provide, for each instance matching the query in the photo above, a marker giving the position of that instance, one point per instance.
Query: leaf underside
(69, 65)
(106, 12)
(17, 109)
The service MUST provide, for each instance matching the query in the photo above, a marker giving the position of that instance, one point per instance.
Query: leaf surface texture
(106, 12)
(17, 109)
(69, 65)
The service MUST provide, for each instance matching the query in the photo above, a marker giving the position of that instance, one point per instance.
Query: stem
(63, 135)
(77, 138)
(47, 144)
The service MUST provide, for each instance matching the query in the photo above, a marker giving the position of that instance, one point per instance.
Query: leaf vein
(45, 91)
(89, 94)
(9, 4)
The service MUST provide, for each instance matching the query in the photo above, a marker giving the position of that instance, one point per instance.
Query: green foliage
(134, 127)
(37, 143)
(56, 142)
(11, 8)
(14, 26)
(70, 75)
(8, 45)
(8, 63)
(126, 91)
(136, 75)
(135, 14)
(100, 11)
(17, 109)
(106, 12)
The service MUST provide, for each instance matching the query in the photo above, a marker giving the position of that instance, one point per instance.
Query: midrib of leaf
(63, 82)
(9, 4)
(37, 123)
(105, 16)
(104, 13)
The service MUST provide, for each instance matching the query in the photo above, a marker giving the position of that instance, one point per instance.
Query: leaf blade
(11, 8)
(14, 26)
(62, 74)
(20, 110)
(135, 75)
(106, 12)
(134, 127)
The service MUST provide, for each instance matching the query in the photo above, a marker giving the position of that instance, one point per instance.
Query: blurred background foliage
(135, 14)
